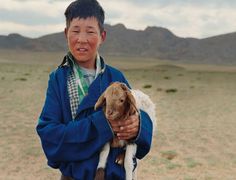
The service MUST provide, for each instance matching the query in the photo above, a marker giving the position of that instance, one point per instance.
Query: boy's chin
(86, 63)
(82, 60)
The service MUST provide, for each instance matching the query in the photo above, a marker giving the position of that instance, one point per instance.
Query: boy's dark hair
(85, 9)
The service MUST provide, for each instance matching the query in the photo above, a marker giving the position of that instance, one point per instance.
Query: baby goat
(119, 102)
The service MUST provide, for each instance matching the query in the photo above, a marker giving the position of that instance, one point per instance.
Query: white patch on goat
(122, 143)
(144, 103)
(129, 155)
(103, 156)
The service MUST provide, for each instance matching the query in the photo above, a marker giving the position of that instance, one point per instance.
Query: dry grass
(196, 120)
(196, 123)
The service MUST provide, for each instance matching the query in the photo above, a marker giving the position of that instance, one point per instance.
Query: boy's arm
(78, 140)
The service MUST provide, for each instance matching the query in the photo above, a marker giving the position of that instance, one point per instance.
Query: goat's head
(118, 102)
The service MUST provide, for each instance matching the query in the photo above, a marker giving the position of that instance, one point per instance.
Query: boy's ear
(103, 36)
(65, 32)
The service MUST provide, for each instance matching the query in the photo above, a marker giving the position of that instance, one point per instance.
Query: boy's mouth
(82, 49)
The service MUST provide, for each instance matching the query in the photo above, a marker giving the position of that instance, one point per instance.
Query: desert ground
(196, 117)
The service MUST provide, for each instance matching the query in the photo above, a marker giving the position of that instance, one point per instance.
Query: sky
(185, 18)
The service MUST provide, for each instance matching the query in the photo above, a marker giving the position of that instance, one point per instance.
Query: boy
(71, 132)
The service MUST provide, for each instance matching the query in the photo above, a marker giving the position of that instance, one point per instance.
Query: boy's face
(84, 38)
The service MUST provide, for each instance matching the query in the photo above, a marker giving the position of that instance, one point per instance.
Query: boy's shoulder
(109, 70)
(113, 74)
(59, 73)
(113, 71)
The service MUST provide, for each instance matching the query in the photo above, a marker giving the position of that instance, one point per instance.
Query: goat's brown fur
(118, 104)
(117, 101)
(100, 174)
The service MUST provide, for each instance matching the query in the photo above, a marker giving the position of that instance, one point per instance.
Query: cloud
(199, 3)
(202, 22)
(184, 18)
(29, 18)
(29, 30)
(52, 9)
(32, 18)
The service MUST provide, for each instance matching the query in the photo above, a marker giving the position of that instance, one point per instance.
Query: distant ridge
(153, 42)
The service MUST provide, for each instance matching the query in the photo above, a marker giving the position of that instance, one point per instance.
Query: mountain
(154, 42)
(52, 42)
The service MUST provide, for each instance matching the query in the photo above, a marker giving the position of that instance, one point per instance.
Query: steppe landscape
(196, 113)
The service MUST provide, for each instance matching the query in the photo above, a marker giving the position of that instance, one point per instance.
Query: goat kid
(119, 103)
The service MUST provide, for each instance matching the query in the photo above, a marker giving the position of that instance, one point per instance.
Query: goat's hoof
(119, 161)
(100, 174)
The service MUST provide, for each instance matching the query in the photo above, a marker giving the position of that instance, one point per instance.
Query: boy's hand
(126, 129)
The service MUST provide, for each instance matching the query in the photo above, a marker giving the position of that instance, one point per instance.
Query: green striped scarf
(77, 79)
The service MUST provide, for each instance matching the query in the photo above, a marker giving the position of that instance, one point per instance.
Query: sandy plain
(196, 118)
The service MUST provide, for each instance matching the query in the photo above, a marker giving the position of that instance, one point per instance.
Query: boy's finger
(128, 128)
(126, 137)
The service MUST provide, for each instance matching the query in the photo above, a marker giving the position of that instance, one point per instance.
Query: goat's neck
(118, 143)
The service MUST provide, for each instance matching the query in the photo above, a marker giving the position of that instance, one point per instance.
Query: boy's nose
(82, 37)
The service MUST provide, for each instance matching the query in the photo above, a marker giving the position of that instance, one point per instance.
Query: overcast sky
(185, 18)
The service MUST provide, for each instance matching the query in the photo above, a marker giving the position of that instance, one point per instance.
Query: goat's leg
(120, 159)
(135, 172)
(129, 166)
(100, 173)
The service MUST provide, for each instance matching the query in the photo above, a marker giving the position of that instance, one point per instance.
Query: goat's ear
(124, 86)
(100, 101)
(132, 108)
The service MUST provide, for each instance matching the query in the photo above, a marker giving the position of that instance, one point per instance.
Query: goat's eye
(121, 100)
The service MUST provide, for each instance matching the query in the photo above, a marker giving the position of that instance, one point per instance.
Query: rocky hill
(154, 42)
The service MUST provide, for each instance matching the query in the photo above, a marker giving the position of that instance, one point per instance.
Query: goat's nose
(109, 111)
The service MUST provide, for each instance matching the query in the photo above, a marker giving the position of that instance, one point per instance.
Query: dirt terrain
(196, 111)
